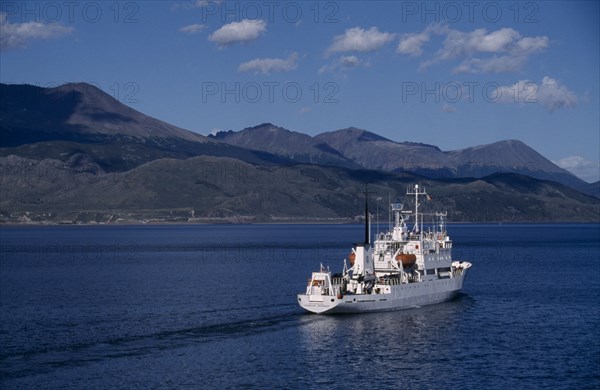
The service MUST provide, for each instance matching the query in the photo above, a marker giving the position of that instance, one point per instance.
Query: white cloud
(503, 50)
(458, 43)
(192, 28)
(530, 45)
(349, 61)
(344, 63)
(358, 39)
(238, 32)
(14, 35)
(412, 44)
(555, 95)
(206, 3)
(448, 108)
(587, 170)
(495, 64)
(269, 65)
(550, 93)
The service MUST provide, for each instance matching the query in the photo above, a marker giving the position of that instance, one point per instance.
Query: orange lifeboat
(407, 259)
(352, 257)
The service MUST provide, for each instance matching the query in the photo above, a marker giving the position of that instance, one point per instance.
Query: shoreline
(179, 223)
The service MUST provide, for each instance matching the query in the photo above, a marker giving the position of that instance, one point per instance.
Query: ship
(405, 267)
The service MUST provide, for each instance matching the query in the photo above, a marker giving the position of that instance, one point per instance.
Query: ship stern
(318, 303)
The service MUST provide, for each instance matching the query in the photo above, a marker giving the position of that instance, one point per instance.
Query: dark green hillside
(217, 189)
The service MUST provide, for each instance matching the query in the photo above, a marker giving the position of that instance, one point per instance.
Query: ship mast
(418, 218)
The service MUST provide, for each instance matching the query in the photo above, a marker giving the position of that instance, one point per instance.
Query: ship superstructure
(402, 268)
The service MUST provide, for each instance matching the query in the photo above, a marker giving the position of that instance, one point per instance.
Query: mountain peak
(277, 140)
(267, 125)
(512, 145)
(76, 86)
(350, 134)
(263, 137)
(78, 111)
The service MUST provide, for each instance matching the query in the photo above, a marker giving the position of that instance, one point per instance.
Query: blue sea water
(214, 306)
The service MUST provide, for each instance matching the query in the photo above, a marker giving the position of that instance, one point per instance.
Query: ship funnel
(367, 240)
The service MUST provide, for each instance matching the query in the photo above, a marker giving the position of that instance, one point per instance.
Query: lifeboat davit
(407, 259)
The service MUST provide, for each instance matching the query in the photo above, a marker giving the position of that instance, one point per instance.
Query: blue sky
(453, 74)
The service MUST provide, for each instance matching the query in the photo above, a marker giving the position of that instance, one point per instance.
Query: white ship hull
(402, 296)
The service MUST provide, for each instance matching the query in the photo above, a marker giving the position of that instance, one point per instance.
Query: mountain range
(75, 154)
(354, 148)
(78, 118)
